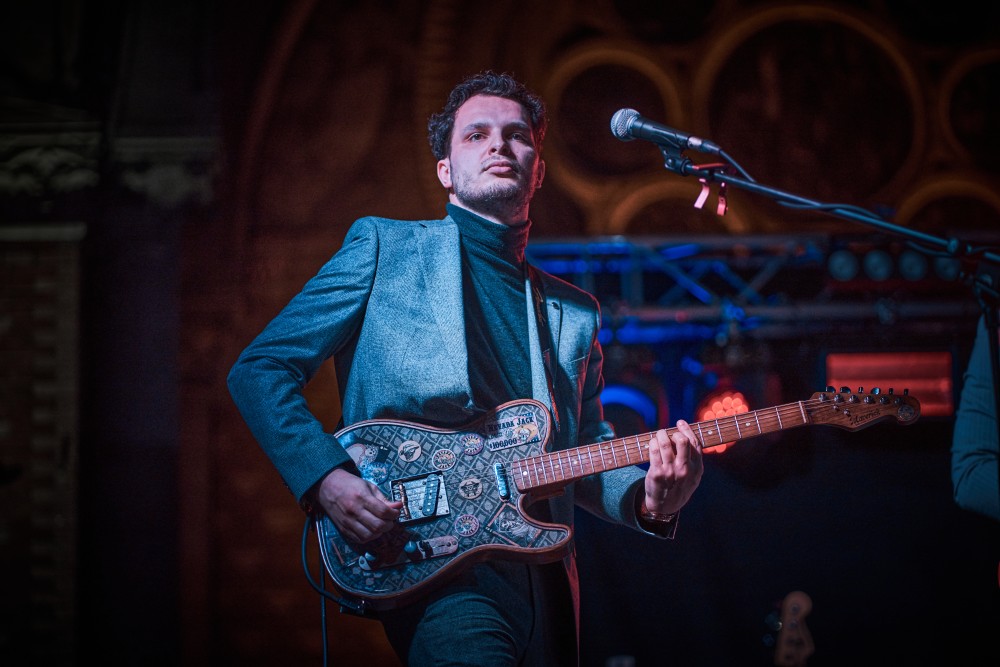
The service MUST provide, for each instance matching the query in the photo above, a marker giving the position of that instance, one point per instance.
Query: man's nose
(499, 145)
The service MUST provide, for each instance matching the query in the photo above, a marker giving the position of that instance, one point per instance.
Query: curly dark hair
(441, 124)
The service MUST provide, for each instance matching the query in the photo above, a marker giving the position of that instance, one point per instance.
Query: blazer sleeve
(974, 445)
(267, 378)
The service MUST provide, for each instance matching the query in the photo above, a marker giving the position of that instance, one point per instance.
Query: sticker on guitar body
(511, 433)
(510, 526)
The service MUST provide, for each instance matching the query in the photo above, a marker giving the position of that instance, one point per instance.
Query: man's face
(493, 167)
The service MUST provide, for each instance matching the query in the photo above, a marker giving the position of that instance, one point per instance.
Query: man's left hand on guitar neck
(675, 470)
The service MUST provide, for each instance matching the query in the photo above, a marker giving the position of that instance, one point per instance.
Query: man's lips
(501, 168)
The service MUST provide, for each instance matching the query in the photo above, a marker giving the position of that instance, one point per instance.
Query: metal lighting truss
(655, 289)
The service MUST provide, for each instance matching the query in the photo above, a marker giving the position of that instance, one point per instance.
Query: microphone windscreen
(621, 122)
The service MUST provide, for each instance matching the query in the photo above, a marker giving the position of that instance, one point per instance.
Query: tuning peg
(845, 390)
(876, 391)
(830, 388)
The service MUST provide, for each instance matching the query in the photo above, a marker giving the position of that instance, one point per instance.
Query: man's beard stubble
(501, 200)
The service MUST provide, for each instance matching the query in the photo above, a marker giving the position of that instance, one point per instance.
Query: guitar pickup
(421, 497)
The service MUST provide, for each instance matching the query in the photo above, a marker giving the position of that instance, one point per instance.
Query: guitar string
(767, 420)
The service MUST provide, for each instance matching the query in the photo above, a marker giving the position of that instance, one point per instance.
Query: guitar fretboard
(562, 467)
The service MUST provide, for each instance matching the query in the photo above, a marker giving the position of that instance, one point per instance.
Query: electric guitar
(465, 492)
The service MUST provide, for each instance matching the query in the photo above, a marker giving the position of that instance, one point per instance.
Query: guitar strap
(544, 337)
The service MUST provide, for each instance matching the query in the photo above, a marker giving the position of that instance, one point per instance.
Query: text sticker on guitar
(465, 492)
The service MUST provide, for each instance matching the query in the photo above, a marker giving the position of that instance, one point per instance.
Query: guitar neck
(560, 468)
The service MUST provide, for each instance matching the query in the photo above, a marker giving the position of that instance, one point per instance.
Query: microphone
(627, 125)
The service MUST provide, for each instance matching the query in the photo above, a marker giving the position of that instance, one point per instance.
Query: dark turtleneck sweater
(496, 316)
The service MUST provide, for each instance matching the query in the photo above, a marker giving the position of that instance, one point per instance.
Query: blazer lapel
(440, 259)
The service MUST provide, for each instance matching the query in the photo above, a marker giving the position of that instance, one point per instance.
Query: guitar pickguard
(459, 503)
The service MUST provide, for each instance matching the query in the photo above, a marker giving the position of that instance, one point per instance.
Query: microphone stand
(981, 267)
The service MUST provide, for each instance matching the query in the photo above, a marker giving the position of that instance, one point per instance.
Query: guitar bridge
(421, 497)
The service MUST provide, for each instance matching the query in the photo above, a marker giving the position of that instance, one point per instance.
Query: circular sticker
(470, 487)
(466, 525)
(472, 444)
(444, 459)
(409, 451)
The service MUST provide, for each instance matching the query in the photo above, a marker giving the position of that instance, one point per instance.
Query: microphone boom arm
(675, 161)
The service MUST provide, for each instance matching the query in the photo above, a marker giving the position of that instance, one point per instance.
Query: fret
(757, 419)
(802, 411)
(778, 414)
(736, 423)
(525, 472)
(701, 435)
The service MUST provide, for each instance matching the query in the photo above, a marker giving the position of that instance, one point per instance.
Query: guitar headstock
(854, 410)
(795, 643)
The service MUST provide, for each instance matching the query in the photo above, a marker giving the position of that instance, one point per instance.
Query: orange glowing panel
(928, 376)
(721, 404)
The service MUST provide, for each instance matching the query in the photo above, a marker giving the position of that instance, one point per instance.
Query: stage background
(172, 172)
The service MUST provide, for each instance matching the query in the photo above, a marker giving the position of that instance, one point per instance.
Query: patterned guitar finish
(466, 492)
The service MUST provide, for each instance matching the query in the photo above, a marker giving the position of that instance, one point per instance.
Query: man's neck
(512, 219)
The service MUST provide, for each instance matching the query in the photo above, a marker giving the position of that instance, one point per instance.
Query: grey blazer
(388, 307)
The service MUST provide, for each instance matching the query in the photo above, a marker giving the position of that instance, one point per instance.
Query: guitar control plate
(413, 552)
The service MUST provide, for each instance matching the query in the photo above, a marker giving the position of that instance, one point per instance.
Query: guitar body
(461, 503)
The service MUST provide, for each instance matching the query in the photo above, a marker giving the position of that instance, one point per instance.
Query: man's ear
(444, 173)
(540, 174)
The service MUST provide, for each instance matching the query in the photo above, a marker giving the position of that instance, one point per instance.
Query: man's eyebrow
(475, 127)
(480, 125)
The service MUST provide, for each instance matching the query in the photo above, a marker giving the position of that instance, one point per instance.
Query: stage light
(878, 264)
(947, 268)
(843, 265)
(912, 265)
(722, 403)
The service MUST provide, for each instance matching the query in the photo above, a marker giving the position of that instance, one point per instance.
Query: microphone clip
(722, 206)
(674, 159)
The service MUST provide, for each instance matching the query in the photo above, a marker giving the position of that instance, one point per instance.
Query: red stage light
(722, 403)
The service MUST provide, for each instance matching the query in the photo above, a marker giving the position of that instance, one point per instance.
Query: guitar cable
(346, 606)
